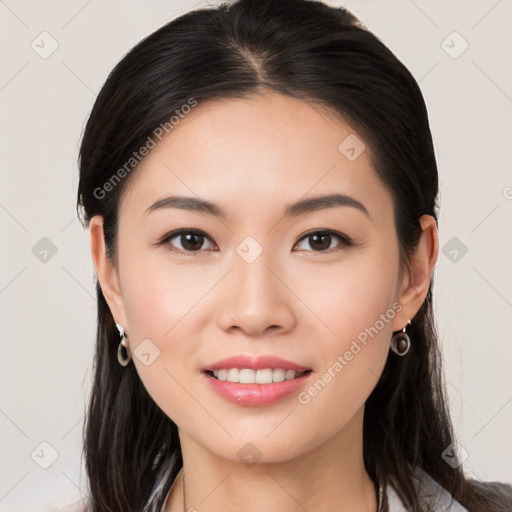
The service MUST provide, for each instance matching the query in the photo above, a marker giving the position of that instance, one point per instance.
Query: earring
(400, 342)
(122, 350)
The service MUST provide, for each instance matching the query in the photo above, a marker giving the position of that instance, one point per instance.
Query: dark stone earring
(400, 342)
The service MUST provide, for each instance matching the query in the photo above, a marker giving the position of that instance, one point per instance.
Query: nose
(257, 300)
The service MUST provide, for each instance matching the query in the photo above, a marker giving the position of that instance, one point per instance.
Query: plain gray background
(47, 302)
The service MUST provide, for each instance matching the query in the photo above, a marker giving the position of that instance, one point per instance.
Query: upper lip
(255, 363)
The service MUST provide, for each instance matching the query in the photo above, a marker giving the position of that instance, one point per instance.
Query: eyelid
(346, 241)
(177, 232)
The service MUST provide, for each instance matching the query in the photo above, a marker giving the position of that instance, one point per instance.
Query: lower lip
(255, 394)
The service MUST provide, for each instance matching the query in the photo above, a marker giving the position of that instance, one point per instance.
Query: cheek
(349, 297)
(161, 293)
(158, 313)
(355, 304)
(164, 308)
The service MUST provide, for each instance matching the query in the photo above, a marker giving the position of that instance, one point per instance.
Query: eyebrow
(301, 207)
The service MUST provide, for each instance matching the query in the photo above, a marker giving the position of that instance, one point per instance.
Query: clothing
(430, 493)
(429, 490)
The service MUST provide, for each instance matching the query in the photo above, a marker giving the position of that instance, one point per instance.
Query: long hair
(323, 55)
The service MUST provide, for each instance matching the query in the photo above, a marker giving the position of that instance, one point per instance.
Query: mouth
(255, 381)
(252, 393)
(251, 376)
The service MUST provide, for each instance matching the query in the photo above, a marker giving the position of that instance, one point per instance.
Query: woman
(260, 187)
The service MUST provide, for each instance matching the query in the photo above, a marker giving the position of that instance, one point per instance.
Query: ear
(106, 272)
(416, 278)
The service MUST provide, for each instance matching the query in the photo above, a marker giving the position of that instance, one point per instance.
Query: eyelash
(345, 240)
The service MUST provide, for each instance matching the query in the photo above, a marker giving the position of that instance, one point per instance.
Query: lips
(244, 390)
(255, 363)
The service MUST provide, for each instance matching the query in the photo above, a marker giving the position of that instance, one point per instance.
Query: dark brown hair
(320, 54)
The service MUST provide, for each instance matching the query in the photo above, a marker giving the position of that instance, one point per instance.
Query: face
(318, 287)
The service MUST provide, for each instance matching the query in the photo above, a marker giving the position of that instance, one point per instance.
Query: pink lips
(255, 394)
(255, 363)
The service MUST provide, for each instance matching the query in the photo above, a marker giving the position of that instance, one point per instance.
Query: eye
(321, 240)
(192, 240)
(188, 240)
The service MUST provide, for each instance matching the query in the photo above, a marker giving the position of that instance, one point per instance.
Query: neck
(328, 477)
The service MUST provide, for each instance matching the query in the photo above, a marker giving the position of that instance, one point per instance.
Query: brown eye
(186, 240)
(320, 241)
(191, 240)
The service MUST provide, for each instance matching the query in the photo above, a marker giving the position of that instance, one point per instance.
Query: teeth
(278, 375)
(233, 375)
(248, 376)
(264, 376)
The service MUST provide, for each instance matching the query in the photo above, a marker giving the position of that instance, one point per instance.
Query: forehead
(267, 149)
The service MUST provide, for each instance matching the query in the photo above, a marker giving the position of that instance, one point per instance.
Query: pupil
(325, 237)
(190, 245)
(322, 241)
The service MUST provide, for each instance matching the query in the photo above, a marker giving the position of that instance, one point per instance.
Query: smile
(246, 391)
(250, 376)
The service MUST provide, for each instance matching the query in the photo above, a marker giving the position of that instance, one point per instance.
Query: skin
(253, 157)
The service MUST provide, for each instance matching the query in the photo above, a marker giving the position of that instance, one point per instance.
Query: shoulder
(431, 494)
